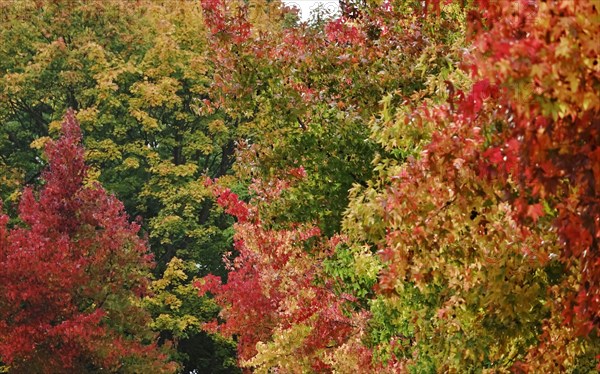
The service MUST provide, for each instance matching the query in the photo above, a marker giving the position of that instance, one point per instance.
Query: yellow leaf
(40, 142)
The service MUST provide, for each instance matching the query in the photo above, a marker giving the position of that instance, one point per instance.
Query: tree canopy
(74, 271)
(403, 186)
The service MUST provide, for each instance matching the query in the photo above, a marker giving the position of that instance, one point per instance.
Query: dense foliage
(136, 74)
(471, 245)
(74, 272)
(407, 186)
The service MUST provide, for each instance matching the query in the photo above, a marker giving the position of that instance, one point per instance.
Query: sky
(305, 6)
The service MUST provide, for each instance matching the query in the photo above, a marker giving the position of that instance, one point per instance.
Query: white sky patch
(306, 6)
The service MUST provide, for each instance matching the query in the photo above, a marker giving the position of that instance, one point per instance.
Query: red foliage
(223, 24)
(272, 283)
(232, 204)
(530, 127)
(341, 32)
(543, 56)
(535, 98)
(69, 274)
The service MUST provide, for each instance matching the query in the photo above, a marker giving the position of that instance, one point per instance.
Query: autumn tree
(549, 145)
(423, 176)
(294, 297)
(276, 299)
(475, 225)
(335, 77)
(138, 76)
(74, 271)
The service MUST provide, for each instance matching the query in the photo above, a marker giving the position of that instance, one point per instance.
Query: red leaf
(535, 211)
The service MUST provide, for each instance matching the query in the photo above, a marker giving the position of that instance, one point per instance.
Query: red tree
(544, 56)
(73, 271)
(530, 128)
(554, 134)
(273, 301)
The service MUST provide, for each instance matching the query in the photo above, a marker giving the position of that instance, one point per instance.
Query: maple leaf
(535, 211)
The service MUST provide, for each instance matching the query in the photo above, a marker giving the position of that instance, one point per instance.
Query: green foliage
(423, 175)
(180, 313)
(354, 271)
(136, 74)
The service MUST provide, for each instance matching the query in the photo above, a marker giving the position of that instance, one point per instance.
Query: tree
(478, 221)
(296, 297)
(180, 311)
(276, 300)
(311, 92)
(423, 178)
(480, 227)
(73, 274)
(549, 144)
(137, 75)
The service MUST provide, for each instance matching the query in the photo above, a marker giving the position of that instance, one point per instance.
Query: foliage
(180, 313)
(303, 159)
(476, 226)
(317, 116)
(73, 274)
(137, 75)
(282, 318)
(423, 175)
(480, 205)
(550, 142)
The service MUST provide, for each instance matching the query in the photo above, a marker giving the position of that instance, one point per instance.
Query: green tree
(138, 75)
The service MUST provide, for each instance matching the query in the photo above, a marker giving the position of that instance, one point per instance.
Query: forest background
(404, 186)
